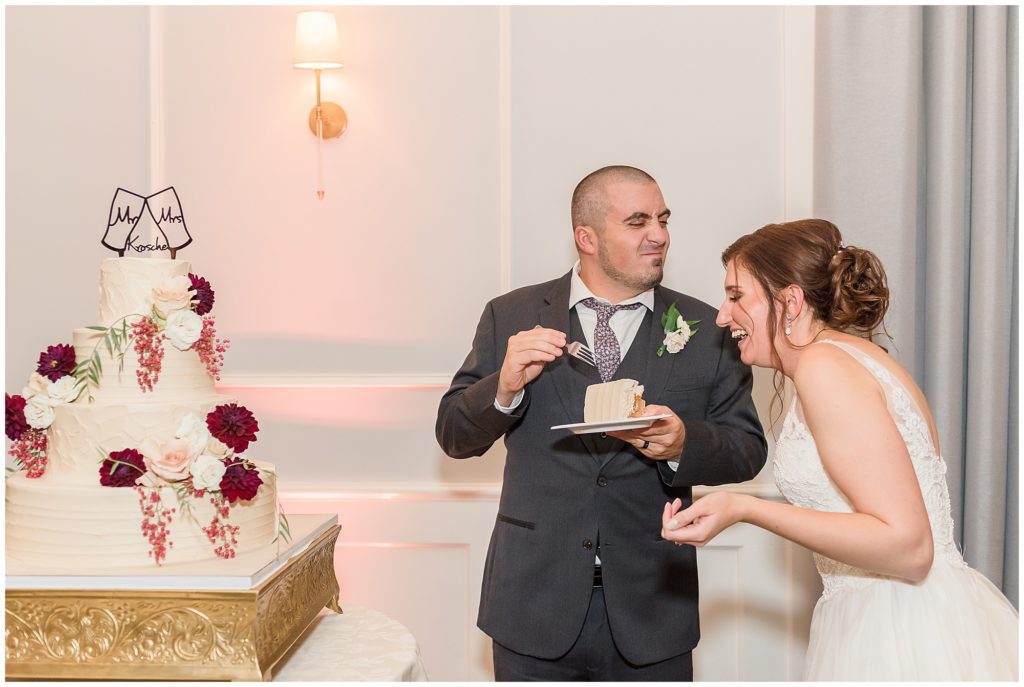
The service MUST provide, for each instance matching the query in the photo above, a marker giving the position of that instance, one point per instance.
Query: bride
(858, 457)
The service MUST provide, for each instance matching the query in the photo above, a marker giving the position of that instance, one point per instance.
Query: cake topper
(127, 209)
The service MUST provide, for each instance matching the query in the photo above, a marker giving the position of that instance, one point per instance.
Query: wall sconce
(317, 48)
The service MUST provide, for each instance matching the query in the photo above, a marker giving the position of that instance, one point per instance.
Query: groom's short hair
(589, 203)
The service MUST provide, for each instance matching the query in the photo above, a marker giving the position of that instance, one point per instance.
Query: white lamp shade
(316, 41)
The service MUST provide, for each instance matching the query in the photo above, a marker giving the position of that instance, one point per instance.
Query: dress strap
(888, 381)
(877, 370)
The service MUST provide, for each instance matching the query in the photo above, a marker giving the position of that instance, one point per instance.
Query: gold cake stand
(154, 625)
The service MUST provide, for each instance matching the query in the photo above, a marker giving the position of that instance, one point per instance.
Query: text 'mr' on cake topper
(131, 215)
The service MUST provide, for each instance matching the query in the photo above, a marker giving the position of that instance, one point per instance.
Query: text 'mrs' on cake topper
(142, 224)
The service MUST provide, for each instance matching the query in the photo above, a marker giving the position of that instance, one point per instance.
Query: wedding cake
(130, 457)
(617, 400)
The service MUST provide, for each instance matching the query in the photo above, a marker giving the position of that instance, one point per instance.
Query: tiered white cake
(66, 519)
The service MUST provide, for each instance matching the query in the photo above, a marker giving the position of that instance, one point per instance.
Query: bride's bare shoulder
(823, 370)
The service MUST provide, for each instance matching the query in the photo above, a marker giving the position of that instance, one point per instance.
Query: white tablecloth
(360, 644)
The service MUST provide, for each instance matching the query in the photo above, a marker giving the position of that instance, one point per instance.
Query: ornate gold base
(203, 634)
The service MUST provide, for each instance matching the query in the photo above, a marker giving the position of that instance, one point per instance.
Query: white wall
(77, 127)
(468, 128)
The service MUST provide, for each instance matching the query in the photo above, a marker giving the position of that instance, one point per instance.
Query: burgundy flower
(241, 480)
(56, 361)
(16, 423)
(233, 425)
(204, 294)
(122, 468)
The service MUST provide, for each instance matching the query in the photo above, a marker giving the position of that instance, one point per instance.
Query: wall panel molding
(438, 381)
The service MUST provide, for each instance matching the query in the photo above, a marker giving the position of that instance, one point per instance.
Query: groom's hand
(663, 440)
(525, 357)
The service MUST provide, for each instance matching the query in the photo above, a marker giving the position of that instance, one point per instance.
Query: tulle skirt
(955, 625)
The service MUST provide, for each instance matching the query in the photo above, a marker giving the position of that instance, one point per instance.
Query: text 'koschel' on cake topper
(142, 224)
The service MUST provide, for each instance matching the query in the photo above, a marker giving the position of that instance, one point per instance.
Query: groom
(578, 584)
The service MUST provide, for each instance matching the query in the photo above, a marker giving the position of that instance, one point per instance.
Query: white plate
(612, 425)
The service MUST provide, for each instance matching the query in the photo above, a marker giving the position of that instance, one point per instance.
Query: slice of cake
(616, 400)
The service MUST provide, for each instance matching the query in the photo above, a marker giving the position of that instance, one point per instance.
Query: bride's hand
(701, 522)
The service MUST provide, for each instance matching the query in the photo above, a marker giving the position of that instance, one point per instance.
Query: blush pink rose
(170, 460)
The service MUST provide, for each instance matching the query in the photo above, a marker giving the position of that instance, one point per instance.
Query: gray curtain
(916, 136)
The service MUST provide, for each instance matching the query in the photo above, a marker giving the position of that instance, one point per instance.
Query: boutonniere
(677, 330)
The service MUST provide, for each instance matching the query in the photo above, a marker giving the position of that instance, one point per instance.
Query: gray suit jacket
(566, 496)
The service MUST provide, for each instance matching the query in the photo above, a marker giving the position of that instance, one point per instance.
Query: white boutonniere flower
(677, 331)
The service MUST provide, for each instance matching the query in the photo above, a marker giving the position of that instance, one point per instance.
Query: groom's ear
(584, 235)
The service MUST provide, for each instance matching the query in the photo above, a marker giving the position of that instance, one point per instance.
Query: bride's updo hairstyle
(845, 286)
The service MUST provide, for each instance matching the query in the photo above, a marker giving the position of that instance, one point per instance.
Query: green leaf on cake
(182, 492)
(96, 328)
(284, 531)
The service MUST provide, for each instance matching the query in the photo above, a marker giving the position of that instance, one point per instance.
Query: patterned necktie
(606, 346)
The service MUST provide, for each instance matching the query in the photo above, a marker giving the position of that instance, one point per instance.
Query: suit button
(602, 481)
(604, 435)
(587, 544)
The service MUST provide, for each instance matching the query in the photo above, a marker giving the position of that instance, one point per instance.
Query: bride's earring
(789, 324)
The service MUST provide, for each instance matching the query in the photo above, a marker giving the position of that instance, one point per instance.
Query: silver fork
(581, 352)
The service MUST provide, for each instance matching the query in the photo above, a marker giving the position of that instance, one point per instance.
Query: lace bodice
(802, 479)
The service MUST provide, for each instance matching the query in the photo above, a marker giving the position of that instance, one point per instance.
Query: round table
(360, 644)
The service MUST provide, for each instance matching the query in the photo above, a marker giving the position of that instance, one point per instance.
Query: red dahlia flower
(240, 482)
(233, 425)
(56, 361)
(15, 416)
(204, 294)
(122, 468)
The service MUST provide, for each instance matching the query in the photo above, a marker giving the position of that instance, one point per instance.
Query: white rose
(194, 432)
(170, 460)
(674, 341)
(183, 329)
(207, 471)
(37, 384)
(39, 412)
(172, 295)
(64, 390)
(216, 447)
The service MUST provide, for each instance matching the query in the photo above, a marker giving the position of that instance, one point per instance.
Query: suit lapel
(658, 370)
(569, 376)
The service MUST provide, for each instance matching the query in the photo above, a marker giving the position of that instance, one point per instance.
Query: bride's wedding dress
(954, 625)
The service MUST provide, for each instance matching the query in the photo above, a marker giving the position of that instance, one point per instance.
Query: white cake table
(358, 645)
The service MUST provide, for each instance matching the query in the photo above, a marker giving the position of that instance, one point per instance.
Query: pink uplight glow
(361, 407)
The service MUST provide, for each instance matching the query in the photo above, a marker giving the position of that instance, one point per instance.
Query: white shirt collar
(578, 291)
